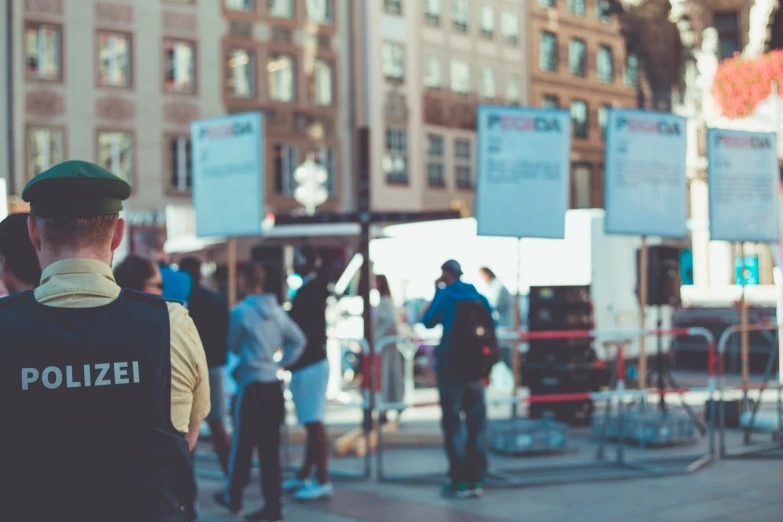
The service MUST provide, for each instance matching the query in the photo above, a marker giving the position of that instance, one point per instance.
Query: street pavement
(728, 491)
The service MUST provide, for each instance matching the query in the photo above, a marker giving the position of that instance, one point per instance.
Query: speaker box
(663, 275)
(561, 351)
(276, 260)
(560, 308)
(555, 379)
(575, 413)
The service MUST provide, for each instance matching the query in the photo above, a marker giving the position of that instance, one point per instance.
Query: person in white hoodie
(258, 328)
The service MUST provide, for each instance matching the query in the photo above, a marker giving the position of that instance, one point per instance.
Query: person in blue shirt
(467, 457)
(177, 284)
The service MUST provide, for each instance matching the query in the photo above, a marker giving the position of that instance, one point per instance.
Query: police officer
(102, 389)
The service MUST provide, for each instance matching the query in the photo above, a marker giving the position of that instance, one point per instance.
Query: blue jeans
(466, 449)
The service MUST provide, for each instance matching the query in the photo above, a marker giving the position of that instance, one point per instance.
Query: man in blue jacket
(468, 458)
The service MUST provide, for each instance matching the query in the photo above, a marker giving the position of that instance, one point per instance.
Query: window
(180, 66)
(488, 87)
(241, 81)
(605, 64)
(513, 89)
(44, 149)
(604, 11)
(245, 6)
(487, 21)
(432, 11)
(577, 7)
(179, 163)
(550, 102)
(281, 8)
(603, 117)
(463, 165)
(393, 61)
(583, 186)
(324, 156)
(285, 162)
(510, 28)
(546, 4)
(395, 160)
(436, 177)
(577, 59)
(579, 118)
(433, 73)
(319, 11)
(115, 153)
(43, 51)
(322, 83)
(631, 73)
(393, 6)
(547, 52)
(460, 77)
(282, 84)
(727, 25)
(114, 59)
(459, 15)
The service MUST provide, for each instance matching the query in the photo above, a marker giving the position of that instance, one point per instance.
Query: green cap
(75, 189)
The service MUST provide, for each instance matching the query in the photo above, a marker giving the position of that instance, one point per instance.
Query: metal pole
(620, 406)
(659, 360)
(515, 365)
(643, 298)
(231, 260)
(745, 349)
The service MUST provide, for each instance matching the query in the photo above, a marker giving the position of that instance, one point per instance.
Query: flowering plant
(740, 84)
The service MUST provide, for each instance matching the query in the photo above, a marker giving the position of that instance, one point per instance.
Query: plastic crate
(526, 436)
(647, 429)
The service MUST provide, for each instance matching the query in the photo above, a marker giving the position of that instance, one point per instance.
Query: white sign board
(742, 174)
(645, 182)
(227, 159)
(523, 178)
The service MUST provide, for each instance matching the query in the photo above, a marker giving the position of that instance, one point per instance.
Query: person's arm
(294, 341)
(434, 314)
(236, 330)
(189, 375)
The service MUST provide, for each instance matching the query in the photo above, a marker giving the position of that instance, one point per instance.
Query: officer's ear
(119, 233)
(34, 232)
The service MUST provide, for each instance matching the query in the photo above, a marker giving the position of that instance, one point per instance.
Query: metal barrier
(774, 449)
(598, 469)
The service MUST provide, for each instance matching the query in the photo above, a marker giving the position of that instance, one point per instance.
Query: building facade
(118, 83)
(425, 68)
(579, 62)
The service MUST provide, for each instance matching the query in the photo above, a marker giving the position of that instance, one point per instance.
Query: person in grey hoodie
(258, 328)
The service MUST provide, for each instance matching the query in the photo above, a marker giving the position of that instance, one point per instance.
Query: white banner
(227, 159)
(645, 183)
(742, 174)
(523, 177)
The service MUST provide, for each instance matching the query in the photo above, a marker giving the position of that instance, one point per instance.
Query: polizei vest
(85, 395)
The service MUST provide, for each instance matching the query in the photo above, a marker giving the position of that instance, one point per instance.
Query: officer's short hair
(79, 232)
(17, 249)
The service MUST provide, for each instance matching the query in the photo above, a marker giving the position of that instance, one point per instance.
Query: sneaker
(220, 499)
(476, 489)
(264, 515)
(315, 490)
(452, 490)
(294, 484)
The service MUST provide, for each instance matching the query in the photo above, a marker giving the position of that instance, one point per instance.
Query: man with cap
(467, 458)
(103, 389)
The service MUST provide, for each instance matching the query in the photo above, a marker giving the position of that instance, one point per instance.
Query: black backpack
(473, 349)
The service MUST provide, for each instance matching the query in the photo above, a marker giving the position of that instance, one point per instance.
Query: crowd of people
(60, 257)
